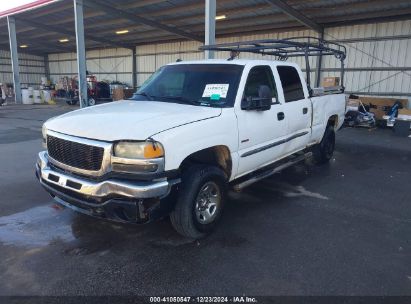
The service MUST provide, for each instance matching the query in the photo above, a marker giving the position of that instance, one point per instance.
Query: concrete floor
(339, 229)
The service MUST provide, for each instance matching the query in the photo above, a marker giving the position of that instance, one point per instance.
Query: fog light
(133, 168)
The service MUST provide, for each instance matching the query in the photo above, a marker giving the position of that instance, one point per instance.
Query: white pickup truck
(191, 132)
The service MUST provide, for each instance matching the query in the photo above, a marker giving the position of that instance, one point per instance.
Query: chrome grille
(75, 154)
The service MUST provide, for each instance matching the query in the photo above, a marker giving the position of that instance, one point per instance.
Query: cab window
(291, 82)
(259, 75)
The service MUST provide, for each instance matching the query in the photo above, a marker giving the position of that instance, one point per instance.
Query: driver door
(260, 132)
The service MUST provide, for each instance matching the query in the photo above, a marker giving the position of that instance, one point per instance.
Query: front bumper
(113, 199)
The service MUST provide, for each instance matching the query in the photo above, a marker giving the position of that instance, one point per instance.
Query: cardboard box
(118, 93)
(380, 105)
(128, 93)
(404, 114)
(354, 103)
(331, 82)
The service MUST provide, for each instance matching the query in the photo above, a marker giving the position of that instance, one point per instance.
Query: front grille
(75, 154)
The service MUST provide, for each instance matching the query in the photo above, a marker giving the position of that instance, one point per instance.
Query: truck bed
(320, 91)
(324, 107)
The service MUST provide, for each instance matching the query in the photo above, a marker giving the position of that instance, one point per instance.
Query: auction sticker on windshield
(216, 89)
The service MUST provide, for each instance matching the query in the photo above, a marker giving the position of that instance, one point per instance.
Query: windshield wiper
(145, 95)
(179, 98)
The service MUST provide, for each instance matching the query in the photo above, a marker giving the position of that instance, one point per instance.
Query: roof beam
(138, 4)
(233, 29)
(290, 11)
(52, 8)
(370, 17)
(227, 25)
(63, 31)
(186, 6)
(283, 27)
(112, 11)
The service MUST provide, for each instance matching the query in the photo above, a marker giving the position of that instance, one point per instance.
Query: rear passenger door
(297, 108)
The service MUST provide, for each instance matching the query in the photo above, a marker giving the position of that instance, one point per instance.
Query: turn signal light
(153, 150)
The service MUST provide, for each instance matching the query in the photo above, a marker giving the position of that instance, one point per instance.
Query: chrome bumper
(99, 190)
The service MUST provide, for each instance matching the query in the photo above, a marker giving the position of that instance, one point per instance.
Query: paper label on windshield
(216, 89)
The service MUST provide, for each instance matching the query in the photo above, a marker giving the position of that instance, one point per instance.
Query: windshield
(194, 84)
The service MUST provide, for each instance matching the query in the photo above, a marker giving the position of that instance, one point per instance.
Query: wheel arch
(333, 121)
(218, 155)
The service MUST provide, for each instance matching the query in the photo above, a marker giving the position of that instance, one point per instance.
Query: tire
(200, 201)
(91, 101)
(324, 151)
(71, 102)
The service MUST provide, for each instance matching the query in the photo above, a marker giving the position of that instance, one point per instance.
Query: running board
(265, 174)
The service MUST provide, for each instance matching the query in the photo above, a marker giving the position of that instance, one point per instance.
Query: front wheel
(201, 196)
(324, 151)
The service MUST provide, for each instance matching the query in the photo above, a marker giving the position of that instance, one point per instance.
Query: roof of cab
(234, 61)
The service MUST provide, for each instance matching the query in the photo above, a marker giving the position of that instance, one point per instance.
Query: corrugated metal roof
(243, 17)
(26, 7)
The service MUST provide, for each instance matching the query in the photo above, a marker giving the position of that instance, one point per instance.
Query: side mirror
(261, 103)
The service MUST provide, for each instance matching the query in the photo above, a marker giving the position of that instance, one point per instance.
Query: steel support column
(210, 12)
(134, 68)
(319, 64)
(46, 66)
(14, 59)
(81, 53)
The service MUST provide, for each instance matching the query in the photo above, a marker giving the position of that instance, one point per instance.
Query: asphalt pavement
(339, 229)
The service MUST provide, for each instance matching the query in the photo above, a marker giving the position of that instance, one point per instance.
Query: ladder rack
(286, 48)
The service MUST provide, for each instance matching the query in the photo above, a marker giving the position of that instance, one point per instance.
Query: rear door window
(291, 82)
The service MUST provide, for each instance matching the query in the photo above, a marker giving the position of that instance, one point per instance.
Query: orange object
(153, 150)
(331, 82)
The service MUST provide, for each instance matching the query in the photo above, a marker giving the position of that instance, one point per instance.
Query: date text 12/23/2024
(238, 299)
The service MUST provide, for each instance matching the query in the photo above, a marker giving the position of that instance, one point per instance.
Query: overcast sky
(5, 5)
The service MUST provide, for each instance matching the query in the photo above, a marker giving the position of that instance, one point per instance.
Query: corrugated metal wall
(151, 57)
(378, 60)
(106, 64)
(31, 69)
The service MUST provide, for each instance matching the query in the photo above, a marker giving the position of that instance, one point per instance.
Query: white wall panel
(141, 78)
(31, 69)
(107, 64)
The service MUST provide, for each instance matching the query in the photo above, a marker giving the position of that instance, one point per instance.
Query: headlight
(138, 150)
(44, 133)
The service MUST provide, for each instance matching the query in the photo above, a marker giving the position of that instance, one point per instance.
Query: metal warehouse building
(128, 40)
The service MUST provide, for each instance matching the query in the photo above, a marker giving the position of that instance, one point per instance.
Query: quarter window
(291, 82)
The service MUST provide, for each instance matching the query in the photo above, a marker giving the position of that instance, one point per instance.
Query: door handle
(305, 110)
(280, 115)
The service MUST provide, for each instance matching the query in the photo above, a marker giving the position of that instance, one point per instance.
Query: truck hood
(128, 119)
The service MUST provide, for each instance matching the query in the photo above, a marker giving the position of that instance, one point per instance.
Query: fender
(188, 139)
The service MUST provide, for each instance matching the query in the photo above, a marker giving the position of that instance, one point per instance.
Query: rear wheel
(201, 196)
(324, 151)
